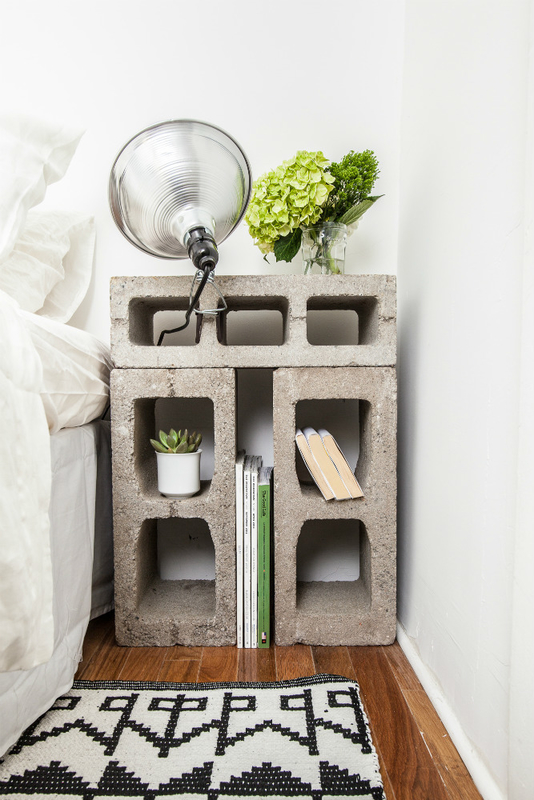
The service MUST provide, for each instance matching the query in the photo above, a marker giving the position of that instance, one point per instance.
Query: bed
(56, 563)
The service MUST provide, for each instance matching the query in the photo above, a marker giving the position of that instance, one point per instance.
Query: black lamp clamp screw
(202, 250)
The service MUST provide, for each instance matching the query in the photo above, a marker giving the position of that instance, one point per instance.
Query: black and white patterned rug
(112, 739)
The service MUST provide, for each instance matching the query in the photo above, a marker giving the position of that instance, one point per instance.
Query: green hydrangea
(288, 197)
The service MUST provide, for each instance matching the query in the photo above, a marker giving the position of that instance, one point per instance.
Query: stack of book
(327, 465)
(254, 518)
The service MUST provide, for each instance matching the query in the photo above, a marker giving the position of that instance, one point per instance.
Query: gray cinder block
(291, 299)
(148, 610)
(335, 613)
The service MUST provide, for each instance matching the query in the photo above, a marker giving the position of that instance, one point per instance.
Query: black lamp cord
(189, 311)
(202, 251)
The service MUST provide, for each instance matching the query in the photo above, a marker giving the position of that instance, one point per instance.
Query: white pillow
(50, 266)
(76, 369)
(33, 154)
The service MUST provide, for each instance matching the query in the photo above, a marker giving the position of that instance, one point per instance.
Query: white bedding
(26, 625)
(77, 509)
(52, 376)
(45, 385)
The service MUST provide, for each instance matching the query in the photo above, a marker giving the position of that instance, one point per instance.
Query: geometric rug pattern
(305, 738)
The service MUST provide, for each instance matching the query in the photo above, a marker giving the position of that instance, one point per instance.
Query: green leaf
(157, 446)
(194, 442)
(358, 210)
(163, 438)
(287, 247)
(172, 438)
(181, 448)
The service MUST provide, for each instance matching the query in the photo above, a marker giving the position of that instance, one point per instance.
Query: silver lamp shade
(178, 178)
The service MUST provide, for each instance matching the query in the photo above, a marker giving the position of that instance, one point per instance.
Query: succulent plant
(173, 442)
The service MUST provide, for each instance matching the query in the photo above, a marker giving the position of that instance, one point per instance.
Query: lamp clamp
(213, 312)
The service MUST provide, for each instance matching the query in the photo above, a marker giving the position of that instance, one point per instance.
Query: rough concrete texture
(149, 611)
(336, 613)
(136, 300)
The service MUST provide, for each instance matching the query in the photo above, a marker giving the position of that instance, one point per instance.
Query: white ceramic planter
(179, 474)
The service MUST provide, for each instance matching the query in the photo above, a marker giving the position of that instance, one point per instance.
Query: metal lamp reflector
(175, 178)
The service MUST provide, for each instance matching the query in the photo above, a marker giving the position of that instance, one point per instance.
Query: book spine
(239, 551)
(254, 556)
(246, 557)
(264, 565)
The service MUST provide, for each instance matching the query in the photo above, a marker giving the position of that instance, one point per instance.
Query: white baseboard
(483, 779)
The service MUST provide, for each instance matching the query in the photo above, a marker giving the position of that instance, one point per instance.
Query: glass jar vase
(323, 248)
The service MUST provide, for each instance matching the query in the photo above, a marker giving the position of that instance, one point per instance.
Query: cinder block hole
(163, 413)
(185, 598)
(333, 567)
(148, 316)
(255, 322)
(339, 326)
(342, 320)
(254, 392)
(348, 420)
(168, 320)
(185, 550)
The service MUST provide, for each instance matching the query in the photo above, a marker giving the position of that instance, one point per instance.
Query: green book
(265, 518)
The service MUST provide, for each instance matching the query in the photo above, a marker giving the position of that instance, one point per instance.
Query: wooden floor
(417, 758)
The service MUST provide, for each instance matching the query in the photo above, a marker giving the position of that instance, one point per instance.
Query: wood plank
(452, 769)
(256, 664)
(218, 664)
(107, 663)
(407, 761)
(401, 667)
(143, 664)
(98, 631)
(293, 661)
(180, 653)
(333, 661)
(180, 671)
(389, 794)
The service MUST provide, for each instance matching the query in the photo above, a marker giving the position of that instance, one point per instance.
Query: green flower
(288, 197)
(354, 178)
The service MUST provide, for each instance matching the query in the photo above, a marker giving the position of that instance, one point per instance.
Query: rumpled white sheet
(33, 154)
(51, 376)
(50, 266)
(26, 622)
(76, 365)
(80, 511)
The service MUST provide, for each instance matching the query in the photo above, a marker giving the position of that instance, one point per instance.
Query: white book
(246, 551)
(240, 459)
(257, 462)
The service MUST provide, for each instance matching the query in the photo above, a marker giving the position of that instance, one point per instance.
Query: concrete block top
(270, 321)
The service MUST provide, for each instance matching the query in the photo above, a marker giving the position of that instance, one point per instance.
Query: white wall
(461, 262)
(279, 77)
